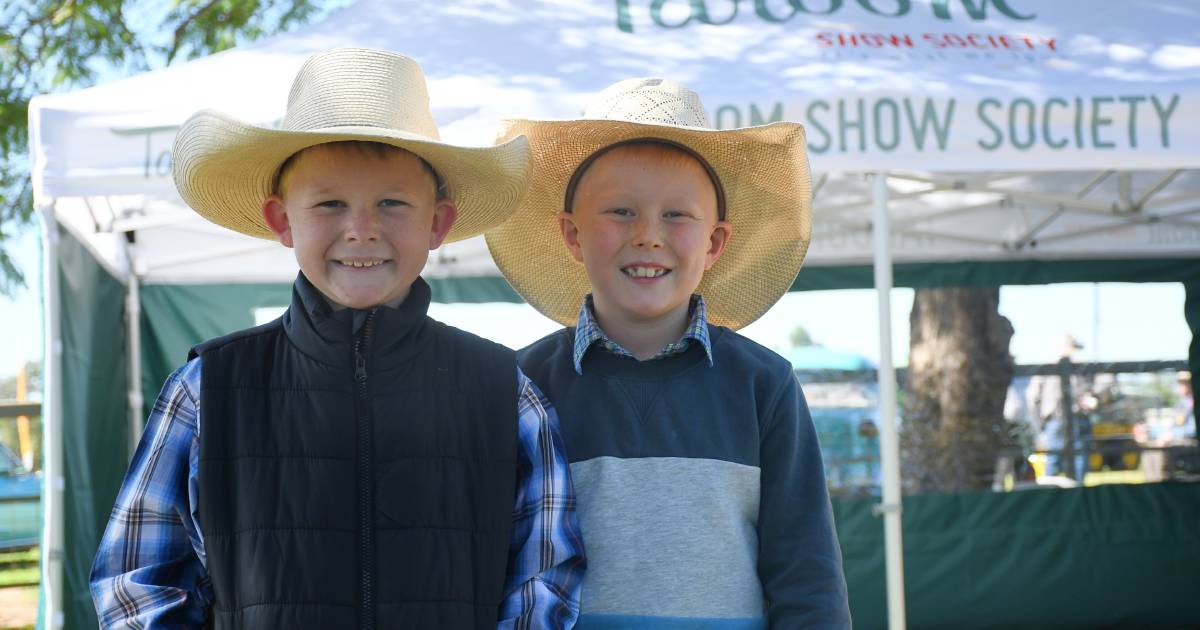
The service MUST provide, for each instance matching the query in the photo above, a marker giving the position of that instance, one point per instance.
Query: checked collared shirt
(150, 571)
(589, 333)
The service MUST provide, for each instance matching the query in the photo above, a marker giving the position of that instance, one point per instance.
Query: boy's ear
(444, 214)
(717, 241)
(570, 234)
(275, 214)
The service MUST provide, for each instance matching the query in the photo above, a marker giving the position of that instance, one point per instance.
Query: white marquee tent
(958, 142)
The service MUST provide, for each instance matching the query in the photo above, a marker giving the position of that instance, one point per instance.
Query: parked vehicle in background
(20, 503)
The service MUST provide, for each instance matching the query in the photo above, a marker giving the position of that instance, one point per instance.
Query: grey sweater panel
(631, 512)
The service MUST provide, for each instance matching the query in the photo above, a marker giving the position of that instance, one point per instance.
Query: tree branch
(21, 60)
(181, 29)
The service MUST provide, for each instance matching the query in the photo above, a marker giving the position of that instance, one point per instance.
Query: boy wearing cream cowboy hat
(701, 494)
(353, 463)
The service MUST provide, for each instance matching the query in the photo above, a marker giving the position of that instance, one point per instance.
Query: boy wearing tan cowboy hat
(701, 493)
(353, 463)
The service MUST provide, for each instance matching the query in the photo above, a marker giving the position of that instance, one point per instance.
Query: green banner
(999, 273)
(177, 317)
(95, 427)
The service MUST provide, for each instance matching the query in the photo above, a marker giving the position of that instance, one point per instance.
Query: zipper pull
(360, 357)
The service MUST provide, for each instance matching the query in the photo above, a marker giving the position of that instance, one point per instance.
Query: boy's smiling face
(362, 224)
(643, 222)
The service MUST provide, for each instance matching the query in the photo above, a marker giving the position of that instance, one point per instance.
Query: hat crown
(357, 87)
(650, 101)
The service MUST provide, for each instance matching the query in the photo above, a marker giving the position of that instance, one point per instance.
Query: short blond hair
(669, 152)
(381, 150)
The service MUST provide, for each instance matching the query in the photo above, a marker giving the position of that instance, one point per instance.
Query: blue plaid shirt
(588, 333)
(150, 569)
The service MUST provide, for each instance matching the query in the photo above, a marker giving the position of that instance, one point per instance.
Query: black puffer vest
(357, 469)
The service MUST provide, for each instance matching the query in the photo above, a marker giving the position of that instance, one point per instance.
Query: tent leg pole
(889, 440)
(1191, 313)
(133, 314)
(52, 429)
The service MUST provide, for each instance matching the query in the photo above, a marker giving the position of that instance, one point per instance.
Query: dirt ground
(18, 606)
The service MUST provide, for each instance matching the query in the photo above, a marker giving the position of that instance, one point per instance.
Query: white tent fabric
(1018, 129)
(1008, 130)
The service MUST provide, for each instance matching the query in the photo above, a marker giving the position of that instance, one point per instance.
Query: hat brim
(768, 196)
(224, 169)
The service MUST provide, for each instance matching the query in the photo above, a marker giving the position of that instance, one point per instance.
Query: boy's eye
(331, 203)
(393, 203)
(621, 212)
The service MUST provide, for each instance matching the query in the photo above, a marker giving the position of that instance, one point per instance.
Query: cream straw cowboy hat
(225, 168)
(763, 175)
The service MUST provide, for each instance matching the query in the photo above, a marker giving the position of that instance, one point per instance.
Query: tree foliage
(800, 337)
(53, 45)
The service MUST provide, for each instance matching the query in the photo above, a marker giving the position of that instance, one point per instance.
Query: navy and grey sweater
(702, 497)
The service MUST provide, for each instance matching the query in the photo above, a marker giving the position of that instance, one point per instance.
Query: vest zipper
(366, 523)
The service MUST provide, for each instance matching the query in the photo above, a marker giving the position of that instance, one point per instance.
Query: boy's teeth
(362, 263)
(645, 272)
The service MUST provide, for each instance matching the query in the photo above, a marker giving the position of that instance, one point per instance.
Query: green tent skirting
(1120, 556)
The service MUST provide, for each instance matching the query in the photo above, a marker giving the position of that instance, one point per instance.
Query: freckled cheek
(600, 241)
(688, 239)
(316, 232)
(408, 224)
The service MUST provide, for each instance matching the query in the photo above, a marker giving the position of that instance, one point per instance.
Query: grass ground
(19, 568)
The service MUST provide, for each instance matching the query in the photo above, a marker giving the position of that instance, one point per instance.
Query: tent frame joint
(881, 509)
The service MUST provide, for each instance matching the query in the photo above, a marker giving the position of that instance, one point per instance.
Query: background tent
(1019, 142)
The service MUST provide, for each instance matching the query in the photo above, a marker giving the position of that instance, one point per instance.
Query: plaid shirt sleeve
(546, 559)
(149, 570)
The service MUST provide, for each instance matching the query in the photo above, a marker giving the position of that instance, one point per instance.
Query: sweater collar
(328, 335)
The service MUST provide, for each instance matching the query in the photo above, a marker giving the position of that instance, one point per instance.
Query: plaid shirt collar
(588, 333)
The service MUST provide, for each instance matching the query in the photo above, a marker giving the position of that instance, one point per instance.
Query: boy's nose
(648, 233)
(362, 225)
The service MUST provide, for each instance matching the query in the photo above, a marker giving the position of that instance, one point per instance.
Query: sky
(1114, 322)
(21, 316)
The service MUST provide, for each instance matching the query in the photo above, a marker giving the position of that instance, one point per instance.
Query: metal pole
(133, 315)
(889, 444)
(1067, 465)
(52, 428)
(1191, 314)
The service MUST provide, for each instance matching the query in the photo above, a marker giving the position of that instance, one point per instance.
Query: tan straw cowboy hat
(763, 172)
(225, 168)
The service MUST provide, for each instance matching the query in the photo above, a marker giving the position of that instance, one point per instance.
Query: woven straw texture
(224, 168)
(650, 101)
(768, 189)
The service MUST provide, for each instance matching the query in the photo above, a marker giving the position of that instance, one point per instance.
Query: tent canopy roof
(1015, 130)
